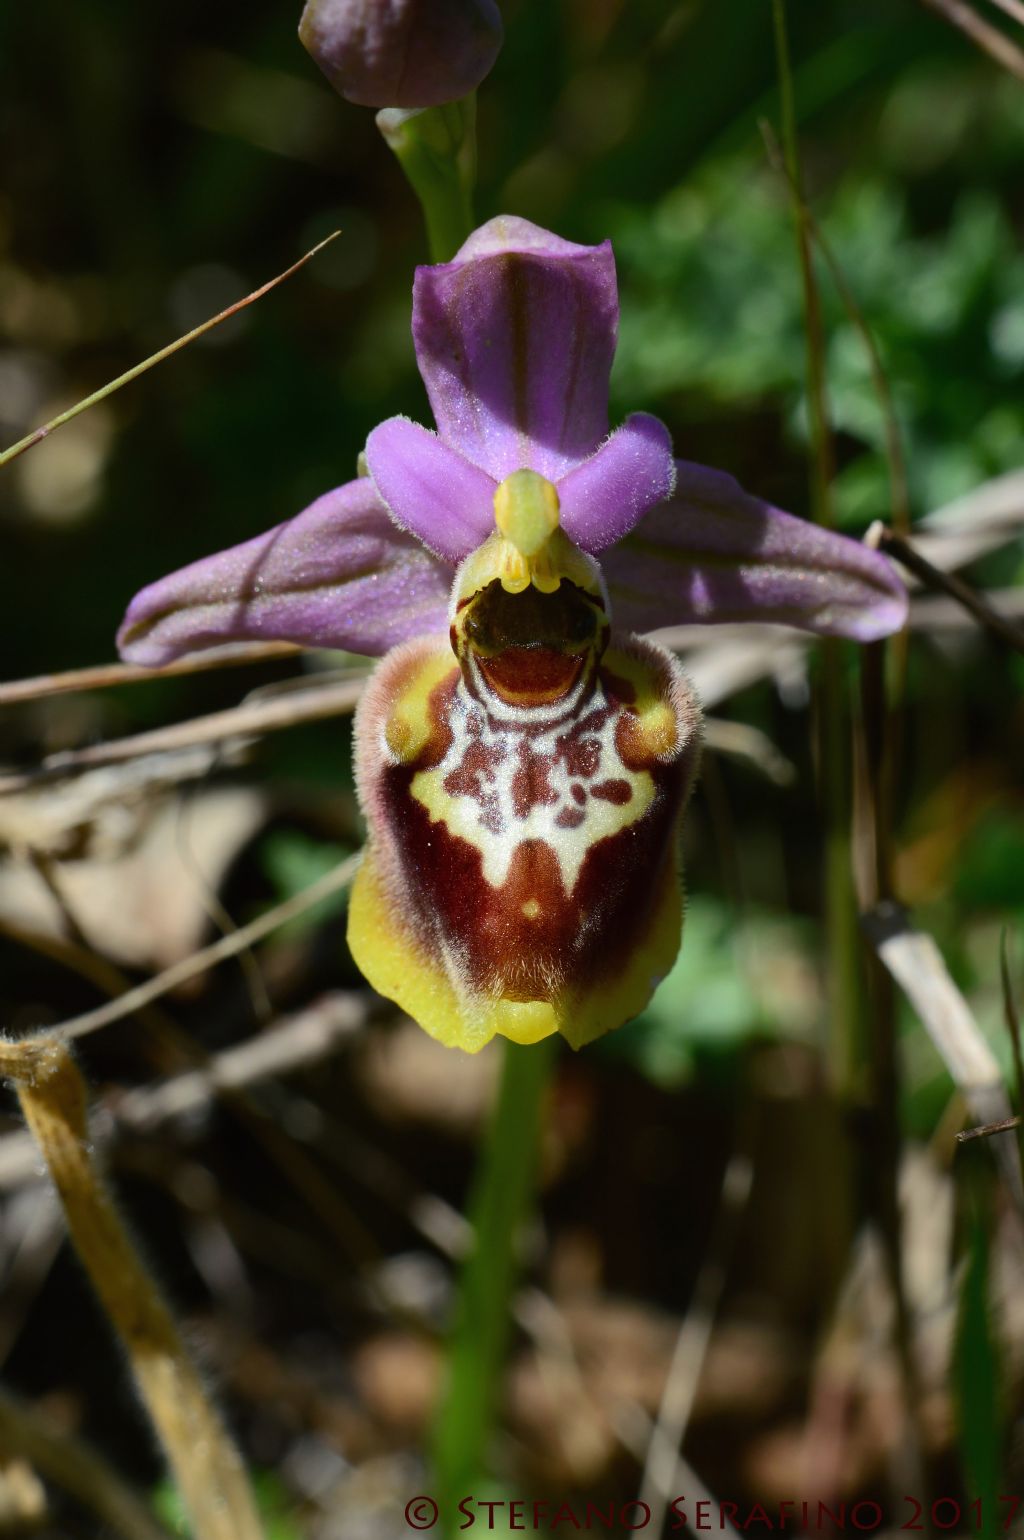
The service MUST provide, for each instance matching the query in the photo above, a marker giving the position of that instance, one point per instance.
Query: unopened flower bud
(402, 53)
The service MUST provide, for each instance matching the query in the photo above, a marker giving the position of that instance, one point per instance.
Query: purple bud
(402, 53)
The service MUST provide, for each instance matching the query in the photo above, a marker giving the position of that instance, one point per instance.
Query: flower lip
(532, 676)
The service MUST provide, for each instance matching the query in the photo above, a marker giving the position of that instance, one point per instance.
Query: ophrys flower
(522, 765)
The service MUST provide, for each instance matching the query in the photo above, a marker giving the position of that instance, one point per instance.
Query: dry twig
(301, 1040)
(947, 583)
(982, 33)
(917, 965)
(667, 1433)
(102, 676)
(205, 1463)
(266, 715)
(38, 434)
(228, 946)
(1012, 8)
(77, 1469)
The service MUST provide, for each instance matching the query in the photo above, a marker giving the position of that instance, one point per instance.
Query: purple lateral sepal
(605, 497)
(340, 574)
(431, 490)
(713, 553)
(514, 340)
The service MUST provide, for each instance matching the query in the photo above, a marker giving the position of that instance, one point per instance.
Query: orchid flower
(523, 760)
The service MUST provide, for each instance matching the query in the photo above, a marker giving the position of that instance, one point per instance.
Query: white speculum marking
(558, 770)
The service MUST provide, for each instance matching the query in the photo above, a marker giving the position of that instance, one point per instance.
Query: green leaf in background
(293, 861)
(711, 315)
(991, 861)
(735, 979)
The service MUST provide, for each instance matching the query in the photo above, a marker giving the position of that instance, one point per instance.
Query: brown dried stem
(228, 946)
(255, 716)
(76, 1469)
(948, 583)
(38, 434)
(102, 676)
(982, 33)
(205, 1463)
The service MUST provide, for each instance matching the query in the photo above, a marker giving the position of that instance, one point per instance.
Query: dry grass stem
(39, 434)
(228, 946)
(306, 1038)
(1012, 8)
(949, 584)
(879, 379)
(965, 1135)
(657, 1483)
(982, 33)
(917, 965)
(741, 741)
(22, 1495)
(206, 1466)
(1012, 1018)
(103, 676)
(76, 1469)
(257, 716)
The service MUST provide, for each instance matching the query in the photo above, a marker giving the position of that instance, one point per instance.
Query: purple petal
(338, 575)
(402, 53)
(514, 340)
(714, 553)
(430, 489)
(602, 499)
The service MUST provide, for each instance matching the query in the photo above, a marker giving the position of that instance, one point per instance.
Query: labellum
(524, 789)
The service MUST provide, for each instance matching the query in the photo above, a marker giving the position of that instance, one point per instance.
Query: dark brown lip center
(567, 619)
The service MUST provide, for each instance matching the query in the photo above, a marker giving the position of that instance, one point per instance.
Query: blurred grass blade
(38, 434)
(500, 1203)
(846, 1049)
(1013, 1027)
(976, 1386)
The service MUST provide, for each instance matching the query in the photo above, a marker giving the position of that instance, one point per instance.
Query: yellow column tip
(526, 511)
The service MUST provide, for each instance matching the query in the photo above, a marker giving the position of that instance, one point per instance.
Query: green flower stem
(436, 148)
(846, 1048)
(501, 1201)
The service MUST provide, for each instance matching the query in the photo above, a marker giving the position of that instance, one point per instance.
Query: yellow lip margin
(388, 956)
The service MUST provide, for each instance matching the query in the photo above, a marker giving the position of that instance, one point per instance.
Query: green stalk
(501, 1201)
(436, 148)
(846, 1051)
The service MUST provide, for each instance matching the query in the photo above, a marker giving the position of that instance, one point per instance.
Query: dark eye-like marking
(498, 620)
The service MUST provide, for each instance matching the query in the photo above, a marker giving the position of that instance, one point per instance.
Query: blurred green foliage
(737, 979)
